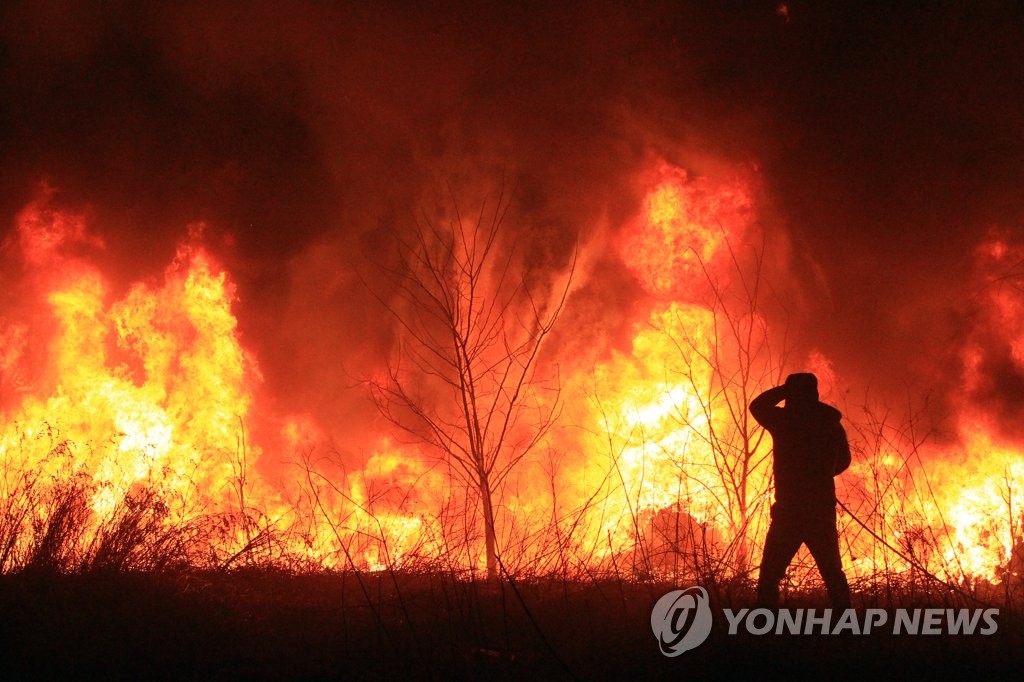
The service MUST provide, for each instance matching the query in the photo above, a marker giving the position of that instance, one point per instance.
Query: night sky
(887, 145)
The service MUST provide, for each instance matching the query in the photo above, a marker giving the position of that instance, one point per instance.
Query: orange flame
(663, 473)
(682, 227)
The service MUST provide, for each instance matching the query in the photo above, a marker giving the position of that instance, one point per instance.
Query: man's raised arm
(764, 407)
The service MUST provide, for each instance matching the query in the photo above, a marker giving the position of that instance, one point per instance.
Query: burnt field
(264, 624)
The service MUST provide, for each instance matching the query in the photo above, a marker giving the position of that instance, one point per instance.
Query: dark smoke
(306, 136)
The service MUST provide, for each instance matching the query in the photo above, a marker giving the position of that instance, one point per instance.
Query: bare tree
(463, 378)
(725, 370)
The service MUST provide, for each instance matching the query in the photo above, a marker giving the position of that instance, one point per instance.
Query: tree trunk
(742, 547)
(490, 538)
(742, 523)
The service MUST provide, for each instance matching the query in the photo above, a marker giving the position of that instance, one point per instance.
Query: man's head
(802, 388)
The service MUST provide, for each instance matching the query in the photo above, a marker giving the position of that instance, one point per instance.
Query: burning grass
(140, 531)
(133, 595)
(155, 588)
(891, 529)
(126, 441)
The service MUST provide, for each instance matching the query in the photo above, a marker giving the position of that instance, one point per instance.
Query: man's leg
(780, 546)
(822, 539)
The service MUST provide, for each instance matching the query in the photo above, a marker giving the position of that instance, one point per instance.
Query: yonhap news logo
(682, 620)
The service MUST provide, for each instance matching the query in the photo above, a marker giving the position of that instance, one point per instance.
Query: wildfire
(682, 226)
(150, 393)
(686, 470)
(144, 404)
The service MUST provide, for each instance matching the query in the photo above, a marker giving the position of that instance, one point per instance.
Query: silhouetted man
(810, 448)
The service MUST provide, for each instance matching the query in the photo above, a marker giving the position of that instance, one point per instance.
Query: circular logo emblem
(681, 620)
